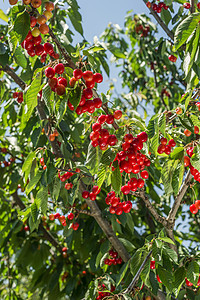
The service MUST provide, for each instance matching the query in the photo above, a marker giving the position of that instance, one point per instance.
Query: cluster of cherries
(64, 252)
(152, 267)
(86, 104)
(143, 30)
(43, 163)
(164, 147)
(18, 96)
(187, 5)
(114, 260)
(101, 136)
(68, 175)
(102, 294)
(117, 207)
(63, 220)
(157, 7)
(11, 159)
(172, 58)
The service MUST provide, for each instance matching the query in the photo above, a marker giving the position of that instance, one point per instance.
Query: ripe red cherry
(94, 135)
(53, 82)
(125, 189)
(85, 194)
(96, 190)
(15, 95)
(59, 68)
(152, 264)
(75, 226)
(48, 48)
(106, 261)
(77, 73)
(90, 84)
(97, 102)
(197, 204)
(112, 210)
(143, 136)
(98, 78)
(193, 209)
(43, 57)
(49, 6)
(114, 202)
(188, 283)
(39, 49)
(79, 110)
(187, 132)
(102, 119)
(127, 208)
(71, 107)
(64, 249)
(172, 143)
(96, 126)
(158, 278)
(109, 119)
(88, 75)
(56, 216)
(196, 130)
(28, 45)
(163, 141)
(63, 81)
(179, 110)
(118, 211)
(33, 21)
(104, 133)
(167, 150)
(128, 138)
(144, 174)
(60, 89)
(172, 58)
(117, 114)
(82, 102)
(49, 72)
(186, 5)
(198, 283)
(72, 81)
(198, 6)
(87, 93)
(140, 183)
(92, 196)
(29, 36)
(51, 217)
(112, 140)
(186, 161)
(70, 216)
(37, 40)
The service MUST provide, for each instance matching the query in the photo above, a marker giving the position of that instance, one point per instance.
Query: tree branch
(192, 9)
(162, 24)
(14, 76)
(137, 275)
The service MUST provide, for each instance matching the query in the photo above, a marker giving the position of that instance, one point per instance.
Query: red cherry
(163, 141)
(92, 196)
(167, 149)
(97, 102)
(85, 194)
(188, 283)
(114, 202)
(187, 132)
(49, 72)
(198, 283)
(96, 126)
(70, 216)
(63, 81)
(64, 249)
(90, 84)
(186, 5)
(94, 135)
(77, 73)
(33, 21)
(125, 189)
(96, 190)
(172, 58)
(118, 211)
(37, 40)
(82, 102)
(128, 138)
(75, 226)
(143, 136)
(112, 140)
(196, 129)
(152, 264)
(102, 119)
(186, 161)
(127, 208)
(59, 68)
(29, 36)
(15, 95)
(172, 143)
(158, 278)
(144, 174)
(48, 48)
(112, 210)
(39, 49)
(88, 75)
(197, 204)
(60, 89)
(117, 114)
(198, 6)
(193, 209)
(87, 93)
(56, 216)
(140, 183)
(98, 78)
(106, 262)
(28, 45)
(51, 217)
(53, 82)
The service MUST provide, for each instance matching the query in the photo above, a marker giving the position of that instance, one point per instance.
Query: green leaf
(46, 95)
(3, 16)
(177, 177)
(166, 277)
(74, 96)
(154, 282)
(195, 120)
(26, 168)
(193, 272)
(31, 98)
(179, 278)
(2, 49)
(185, 29)
(166, 176)
(178, 153)
(56, 188)
(20, 59)
(154, 143)
(42, 199)
(101, 175)
(152, 126)
(136, 262)
(162, 123)
(171, 253)
(195, 161)
(107, 157)
(116, 51)
(75, 22)
(195, 44)
(116, 180)
(127, 244)
(22, 25)
(157, 251)
(33, 182)
(166, 239)
(93, 159)
(122, 273)
(34, 211)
